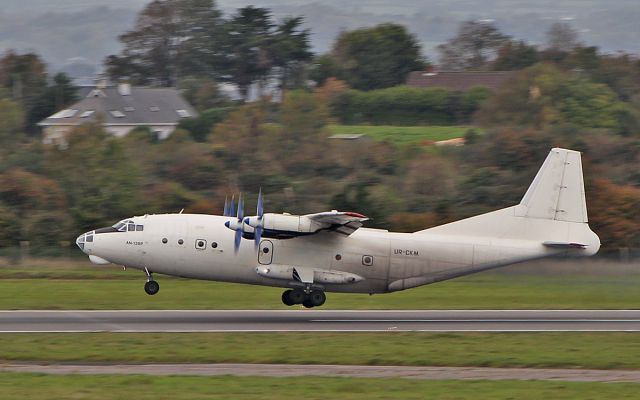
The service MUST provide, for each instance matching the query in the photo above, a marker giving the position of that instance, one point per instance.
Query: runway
(321, 321)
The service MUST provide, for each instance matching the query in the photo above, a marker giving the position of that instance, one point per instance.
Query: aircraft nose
(80, 242)
(83, 239)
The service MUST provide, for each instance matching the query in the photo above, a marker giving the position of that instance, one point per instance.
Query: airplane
(312, 254)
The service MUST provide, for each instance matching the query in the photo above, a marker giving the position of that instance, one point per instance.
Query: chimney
(124, 87)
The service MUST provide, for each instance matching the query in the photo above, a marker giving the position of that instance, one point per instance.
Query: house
(459, 81)
(120, 109)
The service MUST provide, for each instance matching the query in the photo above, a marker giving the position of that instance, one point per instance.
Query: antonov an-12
(331, 251)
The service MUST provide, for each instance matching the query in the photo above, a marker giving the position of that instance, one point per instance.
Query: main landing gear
(314, 298)
(151, 287)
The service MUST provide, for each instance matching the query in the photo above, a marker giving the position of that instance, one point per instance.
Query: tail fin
(557, 192)
(552, 213)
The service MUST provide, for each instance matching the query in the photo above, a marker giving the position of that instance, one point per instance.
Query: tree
(171, 39)
(25, 76)
(290, 51)
(614, 212)
(543, 95)
(105, 187)
(562, 37)
(515, 55)
(249, 43)
(324, 67)
(11, 123)
(473, 48)
(377, 57)
(55, 97)
(203, 93)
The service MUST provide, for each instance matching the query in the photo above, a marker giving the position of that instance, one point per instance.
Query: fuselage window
(214, 245)
(164, 240)
(201, 244)
(180, 241)
(139, 228)
(132, 227)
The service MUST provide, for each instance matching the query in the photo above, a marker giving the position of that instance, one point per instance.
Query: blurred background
(415, 114)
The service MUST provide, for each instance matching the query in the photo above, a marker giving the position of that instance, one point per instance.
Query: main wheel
(297, 296)
(307, 303)
(151, 287)
(317, 298)
(286, 298)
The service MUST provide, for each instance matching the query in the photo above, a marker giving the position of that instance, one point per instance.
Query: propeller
(256, 222)
(240, 216)
(249, 227)
(238, 224)
(260, 225)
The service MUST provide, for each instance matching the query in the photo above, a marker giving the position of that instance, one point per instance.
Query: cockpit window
(121, 226)
(128, 225)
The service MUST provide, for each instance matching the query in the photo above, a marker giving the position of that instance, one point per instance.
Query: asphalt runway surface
(321, 321)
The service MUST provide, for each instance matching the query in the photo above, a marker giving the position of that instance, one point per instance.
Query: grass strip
(535, 350)
(402, 135)
(105, 387)
(482, 291)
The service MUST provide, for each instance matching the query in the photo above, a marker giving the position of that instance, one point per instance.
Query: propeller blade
(260, 211)
(236, 241)
(232, 207)
(225, 212)
(240, 209)
(258, 235)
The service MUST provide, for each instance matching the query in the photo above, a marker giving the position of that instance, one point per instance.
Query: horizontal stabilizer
(564, 245)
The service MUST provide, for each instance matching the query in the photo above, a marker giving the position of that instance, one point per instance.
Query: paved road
(355, 371)
(316, 320)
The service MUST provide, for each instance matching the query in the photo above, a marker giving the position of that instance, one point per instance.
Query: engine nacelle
(284, 225)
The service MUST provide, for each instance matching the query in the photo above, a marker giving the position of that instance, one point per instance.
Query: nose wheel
(315, 298)
(151, 287)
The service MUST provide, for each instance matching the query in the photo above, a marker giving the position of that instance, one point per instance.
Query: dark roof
(152, 106)
(459, 81)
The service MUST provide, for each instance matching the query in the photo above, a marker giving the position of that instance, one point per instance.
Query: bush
(403, 105)
(200, 126)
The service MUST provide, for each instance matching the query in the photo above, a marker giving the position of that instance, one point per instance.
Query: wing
(345, 222)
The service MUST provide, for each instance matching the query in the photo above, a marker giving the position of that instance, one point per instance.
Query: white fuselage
(201, 247)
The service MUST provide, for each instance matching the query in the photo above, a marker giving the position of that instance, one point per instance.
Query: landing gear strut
(151, 287)
(314, 298)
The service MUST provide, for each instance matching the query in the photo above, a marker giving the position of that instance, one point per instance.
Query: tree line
(565, 94)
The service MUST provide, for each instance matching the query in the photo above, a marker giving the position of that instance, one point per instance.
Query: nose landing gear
(315, 298)
(151, 287)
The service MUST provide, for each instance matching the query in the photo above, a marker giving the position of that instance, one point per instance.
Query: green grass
(80, 287)
(549, 350)
(105, 387)
(402, 135)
